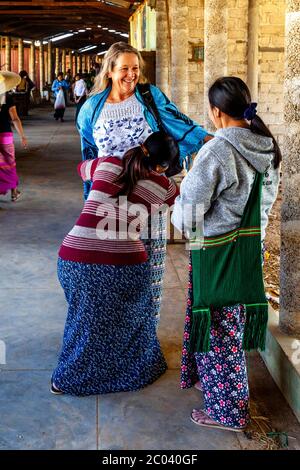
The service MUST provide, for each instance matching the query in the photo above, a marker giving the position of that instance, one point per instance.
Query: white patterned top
(120, 126)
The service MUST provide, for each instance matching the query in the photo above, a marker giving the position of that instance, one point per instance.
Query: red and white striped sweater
(108, 229)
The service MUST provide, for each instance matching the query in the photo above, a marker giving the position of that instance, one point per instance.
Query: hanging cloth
(227, 270)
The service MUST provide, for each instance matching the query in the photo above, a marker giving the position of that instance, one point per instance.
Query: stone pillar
(57, 68)
(163, 46)
(49, 63)
(42, 72)
(63, 61)
(252, 75)
(7, 53)
(289, 318)
(79, 62)
(20, 55)
(71, 62)
(179, 54)
(76, 62)
(32, 62)
(215, 47)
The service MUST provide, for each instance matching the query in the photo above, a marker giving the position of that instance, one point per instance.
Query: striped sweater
(109, 228)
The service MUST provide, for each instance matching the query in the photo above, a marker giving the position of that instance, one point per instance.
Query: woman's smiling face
(125, 74)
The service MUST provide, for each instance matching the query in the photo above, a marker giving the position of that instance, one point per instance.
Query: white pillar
(215, 47)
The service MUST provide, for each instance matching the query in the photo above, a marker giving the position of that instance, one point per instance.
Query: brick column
(63, 61)
(32, 62)
(20, 55)
(237, 37)
(49, 63)
(7, 53)
(57, 65)
(163, 46)
(253, 26)
(179, 53)
(42, 72)
(215, 47)
(290, 214)
(76, 62)
(79, 62)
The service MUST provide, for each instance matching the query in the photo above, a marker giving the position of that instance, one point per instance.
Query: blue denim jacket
(188, 134)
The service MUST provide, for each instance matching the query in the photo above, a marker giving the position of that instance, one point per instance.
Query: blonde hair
(118, 48)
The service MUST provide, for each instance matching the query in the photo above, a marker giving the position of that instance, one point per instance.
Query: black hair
(158, 149)
(232, 96)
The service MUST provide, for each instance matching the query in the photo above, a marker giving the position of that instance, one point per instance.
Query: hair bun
(250, 112)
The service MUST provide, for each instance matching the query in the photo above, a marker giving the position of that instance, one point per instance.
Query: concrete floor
(33, 312)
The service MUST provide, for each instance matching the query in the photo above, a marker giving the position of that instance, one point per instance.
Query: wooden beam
(68, 7)
(49, 3)
(45, 13)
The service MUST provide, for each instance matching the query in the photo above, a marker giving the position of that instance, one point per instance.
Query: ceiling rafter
(43, 19)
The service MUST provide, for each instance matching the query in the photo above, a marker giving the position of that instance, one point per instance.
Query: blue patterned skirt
(110, 342)
(156, 246)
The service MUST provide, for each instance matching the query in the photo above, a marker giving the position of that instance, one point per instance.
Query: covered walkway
(33, 312)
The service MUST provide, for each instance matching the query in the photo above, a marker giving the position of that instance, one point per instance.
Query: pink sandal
(198, 386)
(207, 422)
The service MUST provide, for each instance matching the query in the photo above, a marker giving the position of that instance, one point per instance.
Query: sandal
(198, 386)
(16, 196)
(55, 390)
(207, 422)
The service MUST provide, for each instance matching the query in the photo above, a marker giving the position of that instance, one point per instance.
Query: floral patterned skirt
(110, 342)
(222, 371)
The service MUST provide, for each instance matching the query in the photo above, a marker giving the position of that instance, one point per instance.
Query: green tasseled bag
(227, 270)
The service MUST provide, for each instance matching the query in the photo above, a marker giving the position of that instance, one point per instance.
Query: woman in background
(8, 114)
(60, 84)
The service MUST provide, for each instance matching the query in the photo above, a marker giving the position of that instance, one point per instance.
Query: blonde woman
(115, 118)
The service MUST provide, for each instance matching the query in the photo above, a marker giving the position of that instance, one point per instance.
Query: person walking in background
(110, 342)
(227, 310)
(25, 86)
(79, 93)
(116, 117)
(60, 87)
(8, 172)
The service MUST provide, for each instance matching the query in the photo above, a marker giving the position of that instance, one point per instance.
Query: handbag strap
(145, 91)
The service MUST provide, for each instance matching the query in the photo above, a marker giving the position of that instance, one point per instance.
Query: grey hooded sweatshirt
(221, 179)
